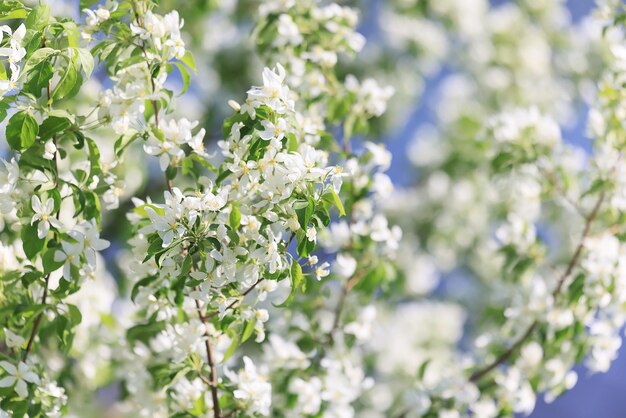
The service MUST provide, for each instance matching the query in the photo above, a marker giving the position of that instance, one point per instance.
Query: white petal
(35, 203)
(59, 256)
(164, 161)
(7, 381)
(55, 223)
(42, 229)
(31, 377)
(91, 256)
(49, 205)
(100, 244)
(10, 368)
(67, 272)
(21, 389)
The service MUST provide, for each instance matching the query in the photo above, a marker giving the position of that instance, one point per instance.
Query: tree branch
(212, 383)
(37, 323)
(233, 303)
(502, 358)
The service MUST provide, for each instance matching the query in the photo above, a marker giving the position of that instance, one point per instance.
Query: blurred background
(220, 40)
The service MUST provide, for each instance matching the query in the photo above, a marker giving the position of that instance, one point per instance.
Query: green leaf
(248, 329)
(10, 276)
(94, 158)
(92, 207)
(184, 74)
(141, 283)
(120, 145)
(292, 142)
(31, 277)
(72, 34)
(31, 243)
(55, 194)
(87, 3)
(4, 106)
(338, 203)
(86, 61)
(12, 9)
(34, 43)
(21, 131)
(372, 279)
(304, 246)
(297, 280)
(141, 211)
(32, 159)
(231, 120)
(75, 316)
(49, 265)
(52, 126)
(189, 61)
(15, 14)
(38, 78)
(304, 214)
(79, 199)
(39, 17)
(422, 369)
(234, 218)
(597, 186)
(37, 57)
(231, 348)
(144, 332)
(155, 247)
(68, 84)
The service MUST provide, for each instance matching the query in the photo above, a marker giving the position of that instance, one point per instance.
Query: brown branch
(337, 314)
(345, 289)
(502, 358)
(233, 303)
(212, 383)
(570, 267)
(562, 192)
(38, 320)
(37, 323)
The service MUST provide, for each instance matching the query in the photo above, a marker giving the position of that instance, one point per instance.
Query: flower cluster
(271, 269)
(213, 246)
(523, 188)
(49, 205)
(14, 53)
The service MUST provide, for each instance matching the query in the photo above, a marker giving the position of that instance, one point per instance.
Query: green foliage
(21, 131)
(297, 280)
(31, 243)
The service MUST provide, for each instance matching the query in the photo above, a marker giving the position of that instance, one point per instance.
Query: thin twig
(212, 383)
(37, 323)
(478, 374)
(233, 303)
(345, 289)
(562, 192)
(38, 320)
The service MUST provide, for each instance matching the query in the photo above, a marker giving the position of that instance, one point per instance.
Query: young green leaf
(52, 126)
(189, 61)
(68, 84)
(21, 131)
(37, 58)
(338, 203)
(39, 17)
(234, 217)
(31, 243)
(86, 61)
